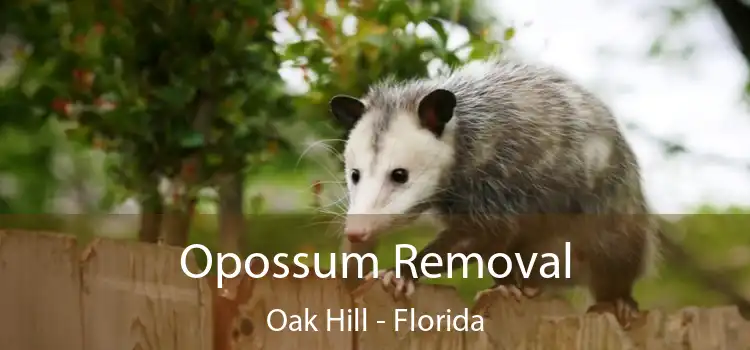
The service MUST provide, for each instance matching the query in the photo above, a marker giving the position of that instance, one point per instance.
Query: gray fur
(520, 133)
(523, 137)
(528, 141)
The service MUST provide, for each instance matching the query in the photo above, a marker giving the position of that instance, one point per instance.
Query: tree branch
(178, 222)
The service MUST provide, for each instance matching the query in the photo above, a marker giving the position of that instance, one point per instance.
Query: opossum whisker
(341, 183)
(324, 210)
(333, 151)
(308, 189)
(337, 182)
(337, 204)
(317, 143)
(334, 223)
(333, 201)
(329, 224)
(317, 183)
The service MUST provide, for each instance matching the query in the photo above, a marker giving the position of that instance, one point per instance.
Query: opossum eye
(355, 176)
(400, 175)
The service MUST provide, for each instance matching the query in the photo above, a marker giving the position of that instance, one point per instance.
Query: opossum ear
(346, 109)
(436, 109)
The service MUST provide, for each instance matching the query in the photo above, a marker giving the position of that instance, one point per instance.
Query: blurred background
(206, 121)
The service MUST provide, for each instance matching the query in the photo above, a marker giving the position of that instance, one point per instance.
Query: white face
(385, 184)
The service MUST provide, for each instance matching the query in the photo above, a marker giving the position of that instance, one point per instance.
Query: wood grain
(39, 292)
(125, 295)
(249, 301)
(428, 300)
(510, 320)
(136, 296)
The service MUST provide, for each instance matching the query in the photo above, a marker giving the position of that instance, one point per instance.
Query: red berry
(251, 22)
(328, 25)
(83, 77)
(60, 105)
(189, 169)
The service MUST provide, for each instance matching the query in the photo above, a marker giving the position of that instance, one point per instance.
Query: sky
(697, 101)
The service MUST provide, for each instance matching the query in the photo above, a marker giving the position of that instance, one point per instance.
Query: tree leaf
(439, 28)
(192, 140)
(175, 96)
(510, 32)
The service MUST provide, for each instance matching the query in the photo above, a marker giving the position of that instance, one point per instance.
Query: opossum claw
(402, 286)
(388, 277)
(410, 288)
(531, 292)
(483, 294)
(383, 274)
(484, 299)
(507, 291)
(625, 312)
(510, 291)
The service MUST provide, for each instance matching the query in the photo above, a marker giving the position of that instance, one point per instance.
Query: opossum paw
(531, 292)
(484, 299)
(625, 311)
(403, 287)
(508, 291)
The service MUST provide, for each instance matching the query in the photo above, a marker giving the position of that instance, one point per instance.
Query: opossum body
(512, 158)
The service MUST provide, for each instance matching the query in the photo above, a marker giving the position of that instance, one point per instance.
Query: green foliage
(25, 177)
(383, 44)
(718, 239)
(136, 79)
(133, 80)
(153, 83)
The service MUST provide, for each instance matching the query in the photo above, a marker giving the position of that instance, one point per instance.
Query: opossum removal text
(257, 265)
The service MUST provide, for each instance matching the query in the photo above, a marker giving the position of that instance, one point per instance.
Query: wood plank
(586, 332)
(39, 289)
(714, 328)
(510, 320)
(428, 300)
(247, 302)
(136, 296)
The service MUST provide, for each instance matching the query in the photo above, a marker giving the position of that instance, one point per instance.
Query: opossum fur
(512, 157)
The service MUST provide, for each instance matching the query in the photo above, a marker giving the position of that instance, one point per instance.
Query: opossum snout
(362, 227)
(357, 236)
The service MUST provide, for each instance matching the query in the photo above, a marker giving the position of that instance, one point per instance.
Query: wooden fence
(128, 295)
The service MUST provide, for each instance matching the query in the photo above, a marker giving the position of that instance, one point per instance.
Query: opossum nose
(356, 236)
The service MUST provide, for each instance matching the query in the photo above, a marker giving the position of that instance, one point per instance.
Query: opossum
(510, 157)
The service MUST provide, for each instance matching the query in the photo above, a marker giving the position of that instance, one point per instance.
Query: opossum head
(395, 158)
